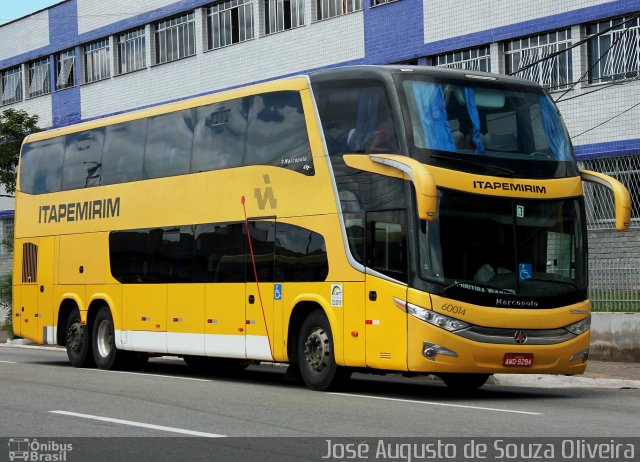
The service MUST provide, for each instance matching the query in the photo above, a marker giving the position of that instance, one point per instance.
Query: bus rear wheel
(105, 353)
(78, 341)
(464, 382)
(316, 354)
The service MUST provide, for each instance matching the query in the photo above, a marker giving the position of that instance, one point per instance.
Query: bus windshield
(480, 126)
(506, 252)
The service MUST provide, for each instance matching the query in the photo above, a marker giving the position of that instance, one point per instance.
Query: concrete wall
(615, 337)
(610, 244)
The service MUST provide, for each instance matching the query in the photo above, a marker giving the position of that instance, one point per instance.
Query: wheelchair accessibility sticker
(336, 295)
(277, 291)
(525, 270)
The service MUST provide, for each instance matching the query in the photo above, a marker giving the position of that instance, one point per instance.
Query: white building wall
(315, 45)
(40, 105)
(452, 18)
(93, 14)
(587, 111)
(25, 35)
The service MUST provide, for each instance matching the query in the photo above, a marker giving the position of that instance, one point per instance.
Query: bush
(6, 302)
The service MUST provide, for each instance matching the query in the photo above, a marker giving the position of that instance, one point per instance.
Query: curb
(26, 345)
(559, 382)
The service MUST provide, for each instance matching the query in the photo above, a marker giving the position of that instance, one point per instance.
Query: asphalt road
(43, 396)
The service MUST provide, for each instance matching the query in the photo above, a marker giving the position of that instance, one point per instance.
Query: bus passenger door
(27, 314)
(260, 296)
(386, 323)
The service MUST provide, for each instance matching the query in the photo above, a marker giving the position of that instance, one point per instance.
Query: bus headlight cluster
(579, 327)
(437, 319)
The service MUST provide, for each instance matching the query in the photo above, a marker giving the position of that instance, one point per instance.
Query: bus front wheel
(78, 341)
(316, 355)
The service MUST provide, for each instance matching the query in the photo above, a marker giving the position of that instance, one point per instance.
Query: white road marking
(150, 375)
(140, 424)
(9, 362)
(433, 403)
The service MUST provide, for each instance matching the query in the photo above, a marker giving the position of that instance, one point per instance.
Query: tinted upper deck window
(123, 152)
(277, 133)
(41, 166)
(83, 159)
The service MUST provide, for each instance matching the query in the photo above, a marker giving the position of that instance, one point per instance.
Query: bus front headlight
(579, 327)
(440, 320)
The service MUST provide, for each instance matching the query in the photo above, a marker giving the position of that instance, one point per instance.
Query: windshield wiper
(569, 283)
(495, 169)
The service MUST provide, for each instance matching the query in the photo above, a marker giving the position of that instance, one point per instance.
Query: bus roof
(299, 82)
(382, 72)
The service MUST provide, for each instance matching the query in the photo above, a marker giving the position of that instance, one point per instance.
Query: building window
(551, 72)
(39, 82)
(66, 69)
(282, 15)
(11, 85)
(474, 59)
(614, 55)
(176, 38)
(381, 2)
(331, 8)
(131, 51)
(96, 61)
(230, 22)
(7, 235)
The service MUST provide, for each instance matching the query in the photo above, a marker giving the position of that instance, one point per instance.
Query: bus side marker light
(157, 326)
(240, 329)
(354, 334)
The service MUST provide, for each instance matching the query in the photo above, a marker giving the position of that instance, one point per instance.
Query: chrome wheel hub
(317, 349)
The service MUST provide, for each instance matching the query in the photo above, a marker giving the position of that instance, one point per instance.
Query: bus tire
(78, 341)
(105, 353)
(464, 382)
(316, 354)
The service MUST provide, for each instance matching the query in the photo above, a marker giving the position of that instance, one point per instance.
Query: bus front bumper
(434, 350)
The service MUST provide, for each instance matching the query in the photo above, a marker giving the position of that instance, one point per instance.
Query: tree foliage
(15, 125)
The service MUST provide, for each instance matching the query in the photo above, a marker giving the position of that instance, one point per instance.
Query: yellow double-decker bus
(362, 218)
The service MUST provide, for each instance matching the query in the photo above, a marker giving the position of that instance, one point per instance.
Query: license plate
(518, 360)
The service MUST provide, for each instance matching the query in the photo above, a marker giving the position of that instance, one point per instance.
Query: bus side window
(262, 242)
(387, 243)
(301, 254)
(83, 159)
(128, 255)
(219, 136)
(168, 148)
(219, 252)
(41, 166)
(277, 133)
(123, 152)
